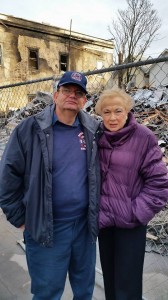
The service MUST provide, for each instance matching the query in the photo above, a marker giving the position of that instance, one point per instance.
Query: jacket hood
(45, 118)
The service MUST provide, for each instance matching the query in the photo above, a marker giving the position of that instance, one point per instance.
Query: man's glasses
(68, 92)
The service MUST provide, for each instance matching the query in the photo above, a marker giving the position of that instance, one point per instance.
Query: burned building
(30, 50)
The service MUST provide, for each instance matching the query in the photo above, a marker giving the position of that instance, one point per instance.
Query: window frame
(62, 63)
(30, 97)
(33, 60)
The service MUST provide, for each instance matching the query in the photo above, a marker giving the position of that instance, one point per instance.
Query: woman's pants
(122, 257)
(73, 253)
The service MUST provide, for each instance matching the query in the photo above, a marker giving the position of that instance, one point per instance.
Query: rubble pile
(13, 118)
(151, 109)
(157, 237)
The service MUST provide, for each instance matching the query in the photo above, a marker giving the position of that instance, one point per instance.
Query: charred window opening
(63, 62)
(31, 97)
(33, 59)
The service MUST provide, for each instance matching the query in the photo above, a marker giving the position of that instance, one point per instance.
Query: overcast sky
(90, 17)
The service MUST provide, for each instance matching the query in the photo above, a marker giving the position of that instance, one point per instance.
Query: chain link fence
(146, 81)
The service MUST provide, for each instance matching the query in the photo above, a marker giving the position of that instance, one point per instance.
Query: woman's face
(114, 113)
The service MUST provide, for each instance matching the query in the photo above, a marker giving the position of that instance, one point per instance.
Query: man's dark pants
(73, 252)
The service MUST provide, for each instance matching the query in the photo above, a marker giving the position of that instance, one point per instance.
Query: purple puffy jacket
(134, 177)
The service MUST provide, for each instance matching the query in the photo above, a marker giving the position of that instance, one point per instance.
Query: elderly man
(49, 186)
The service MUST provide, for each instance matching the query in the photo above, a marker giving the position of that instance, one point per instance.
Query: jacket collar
(45, 119)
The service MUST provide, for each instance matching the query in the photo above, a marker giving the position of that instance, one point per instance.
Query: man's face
(70, 97)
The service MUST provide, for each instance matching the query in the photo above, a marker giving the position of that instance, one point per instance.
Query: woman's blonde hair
(109, 94)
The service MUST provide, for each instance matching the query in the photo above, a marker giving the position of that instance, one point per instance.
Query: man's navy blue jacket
(26, 175)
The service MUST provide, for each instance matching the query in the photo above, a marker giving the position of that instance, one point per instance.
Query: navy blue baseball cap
(74, 78)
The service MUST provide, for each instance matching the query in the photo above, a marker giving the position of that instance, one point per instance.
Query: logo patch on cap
(76, 76)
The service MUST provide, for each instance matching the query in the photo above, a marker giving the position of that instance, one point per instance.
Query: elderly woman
(134, 188)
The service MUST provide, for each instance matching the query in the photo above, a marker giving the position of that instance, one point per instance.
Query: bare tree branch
(135, 29)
